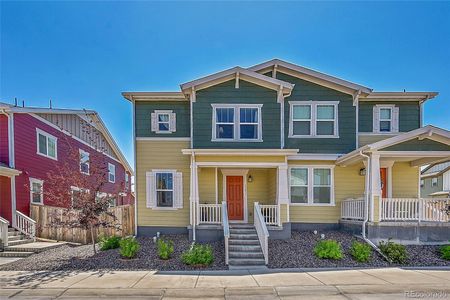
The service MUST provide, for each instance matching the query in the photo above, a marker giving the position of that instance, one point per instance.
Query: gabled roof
(100, 125)
(436, 169)
(237, 73)
(310, 75)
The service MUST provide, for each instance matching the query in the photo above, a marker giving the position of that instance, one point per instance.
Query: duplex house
(435, 180)
(35, 141)
(278, 147)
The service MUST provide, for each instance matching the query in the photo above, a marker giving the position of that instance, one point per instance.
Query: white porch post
(193, 196)
(282, 191)
(375, 187)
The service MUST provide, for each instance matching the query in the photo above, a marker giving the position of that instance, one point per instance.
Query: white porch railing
(271, 214)
(226, 229)
(209, 214)
(4, 231)
(25, 224)
(415, 209)
(261, 230)
(352, 209)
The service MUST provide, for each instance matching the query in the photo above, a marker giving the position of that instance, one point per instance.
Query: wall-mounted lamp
(250, 178)
(362, 172)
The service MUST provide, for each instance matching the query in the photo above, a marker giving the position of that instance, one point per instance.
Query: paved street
(393, 283)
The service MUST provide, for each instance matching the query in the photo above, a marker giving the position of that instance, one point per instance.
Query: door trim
(236, 172)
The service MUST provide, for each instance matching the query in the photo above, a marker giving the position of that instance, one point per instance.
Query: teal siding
(418, 145)
(427, 189)
(409, 115)
(226, 93)
(143, 118)
(307, 91)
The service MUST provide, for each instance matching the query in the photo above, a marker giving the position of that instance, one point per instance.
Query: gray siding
(247, 93)
(409, 115)
(427, 189)
(306, 91)
(143, 118)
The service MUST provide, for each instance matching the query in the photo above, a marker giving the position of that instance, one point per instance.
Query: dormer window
(240, 122)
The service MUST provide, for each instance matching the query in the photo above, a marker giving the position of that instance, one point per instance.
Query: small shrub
(129, 247)
(329, 249)
(198, 255)
(109, 242)
(361, 252)
(445, 252)
(165, 249)
(393, 251)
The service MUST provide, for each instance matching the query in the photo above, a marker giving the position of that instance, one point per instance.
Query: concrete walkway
(392, 283)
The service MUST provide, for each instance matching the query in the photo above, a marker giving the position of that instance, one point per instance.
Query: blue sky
(84, 54)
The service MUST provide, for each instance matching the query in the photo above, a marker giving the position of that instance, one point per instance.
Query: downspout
(135, 170)
(366, 207)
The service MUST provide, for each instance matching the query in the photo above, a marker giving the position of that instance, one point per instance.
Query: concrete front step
(20, 242)
(246, 262)
(244, 236)
(14, 233)
(242, 231)
(242, 242)
(15, 254)
(244, 248)
(15, 237)
(242, 226)
(244, 255)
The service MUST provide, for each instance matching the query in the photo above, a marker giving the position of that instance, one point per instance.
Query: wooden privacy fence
(45, 228)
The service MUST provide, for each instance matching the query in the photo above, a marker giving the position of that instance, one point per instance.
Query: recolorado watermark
(427, 294)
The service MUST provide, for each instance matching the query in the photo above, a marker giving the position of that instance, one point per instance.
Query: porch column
(193, 193)
(375, 188)
(283, 193)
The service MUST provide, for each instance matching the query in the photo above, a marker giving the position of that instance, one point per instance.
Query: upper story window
(46, 144)
(36, 191)
(241, 122)
(164, 189)
(422, 183)
(127, 181)
(84, 162)
(318, 119)
(434, 181)
(111, 173)
(163, 121)
(385, 118)
(312, 185)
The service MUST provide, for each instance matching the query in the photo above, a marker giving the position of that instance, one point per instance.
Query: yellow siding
(207, 185)
(284, 213)
(237, 158)
(405, 180)
(347, 184)
(161, 155)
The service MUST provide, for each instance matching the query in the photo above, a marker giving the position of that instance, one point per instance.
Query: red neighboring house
(34, 141)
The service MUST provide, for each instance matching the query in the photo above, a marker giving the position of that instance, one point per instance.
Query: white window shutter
(376, 119)
(395, 119)
(173, 122)
(178, 201)
(154, 122)
(151, 189)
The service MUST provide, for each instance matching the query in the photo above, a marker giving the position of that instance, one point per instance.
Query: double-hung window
(240, 122)
(311, 185)
(385, 118)
(313, 119)
(111, 173)
(46, 144)
(84, 162)
(164, 189)
(127, 181)
(163, 121)
(36, 191)
(434, 181)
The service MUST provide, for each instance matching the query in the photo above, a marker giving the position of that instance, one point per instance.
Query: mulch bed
(83, 258)
(298, 253)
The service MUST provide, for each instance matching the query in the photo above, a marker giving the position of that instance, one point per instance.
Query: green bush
(109, 242)
(165, 249)
(361, 252)
(395, 252)
(198, 255)
(129, 247)
(445, 252)
(329, 249)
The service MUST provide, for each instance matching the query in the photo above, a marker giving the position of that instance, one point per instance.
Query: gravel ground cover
(68, 257)
(298, 253)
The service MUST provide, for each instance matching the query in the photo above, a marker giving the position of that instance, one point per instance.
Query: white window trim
(163, 112)
(236, 122)
(391, 119)
(109, 173)
(311, 185)
(47, 135)
(422, 183)
(395, 119)
(77, 189)
(41, 182)
(88, 162)
(313, 119)
(434, 179)
(173, 172)
(127, 181)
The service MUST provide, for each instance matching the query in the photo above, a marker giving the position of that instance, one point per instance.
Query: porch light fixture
(250, 178)
(362, 172)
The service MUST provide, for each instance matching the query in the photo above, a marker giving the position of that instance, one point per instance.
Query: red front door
(384, 182)
(235, 197)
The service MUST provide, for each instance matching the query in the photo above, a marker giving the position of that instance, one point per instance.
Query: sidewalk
(393, 283)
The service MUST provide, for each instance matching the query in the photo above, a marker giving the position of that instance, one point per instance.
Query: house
(435, 180)
(248, 154)
(34, 141)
